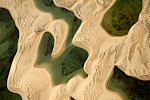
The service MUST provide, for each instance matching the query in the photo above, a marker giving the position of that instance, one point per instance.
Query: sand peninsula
(34, 82)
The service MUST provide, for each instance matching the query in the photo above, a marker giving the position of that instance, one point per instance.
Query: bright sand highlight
(130, 53)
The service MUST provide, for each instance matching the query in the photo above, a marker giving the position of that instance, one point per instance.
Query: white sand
(130, 53)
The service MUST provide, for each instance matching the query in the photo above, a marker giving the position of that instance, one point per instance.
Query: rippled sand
(130, 52)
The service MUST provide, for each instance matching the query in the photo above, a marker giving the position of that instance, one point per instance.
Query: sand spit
(130, 53)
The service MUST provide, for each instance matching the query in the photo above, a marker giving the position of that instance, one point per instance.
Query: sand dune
(130, 52)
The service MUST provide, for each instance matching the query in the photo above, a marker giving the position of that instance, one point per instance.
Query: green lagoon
(121, 16)
(9, 35)
(72, 60)
(117, 21)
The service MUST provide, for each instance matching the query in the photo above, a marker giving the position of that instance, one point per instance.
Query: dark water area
(9, 35)
(117, 21)
(130, 88)
(121, 16)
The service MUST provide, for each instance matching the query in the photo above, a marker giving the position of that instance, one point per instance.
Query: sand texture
(34, 82)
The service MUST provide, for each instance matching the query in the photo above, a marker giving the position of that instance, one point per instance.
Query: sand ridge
(129, 53)
(24, 78)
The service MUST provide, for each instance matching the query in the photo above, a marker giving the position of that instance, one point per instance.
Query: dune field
(75, 49)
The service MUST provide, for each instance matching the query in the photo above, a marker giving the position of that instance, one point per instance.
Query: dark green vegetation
(9, 35)
(122, 15)
(72, 59)
(129, 87)
(47, 45)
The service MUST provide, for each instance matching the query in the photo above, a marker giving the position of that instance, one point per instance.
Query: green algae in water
(68, 64)
(9, 35)
(46, 45)
(128, 87)
(60, 13)
(65, 66)
(48, 2)
(72, 59)
(121, 16)
(117, 21)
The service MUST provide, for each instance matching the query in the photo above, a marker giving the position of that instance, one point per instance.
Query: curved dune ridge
(34, 81)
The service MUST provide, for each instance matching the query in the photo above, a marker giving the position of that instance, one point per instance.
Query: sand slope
(130, 53)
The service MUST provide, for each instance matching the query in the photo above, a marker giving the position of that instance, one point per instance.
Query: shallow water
(60, 13)
(65, 66)
(130, 88)
(122, 15)
(72, 60)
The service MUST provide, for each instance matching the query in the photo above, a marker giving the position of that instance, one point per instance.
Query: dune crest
(130, 52)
